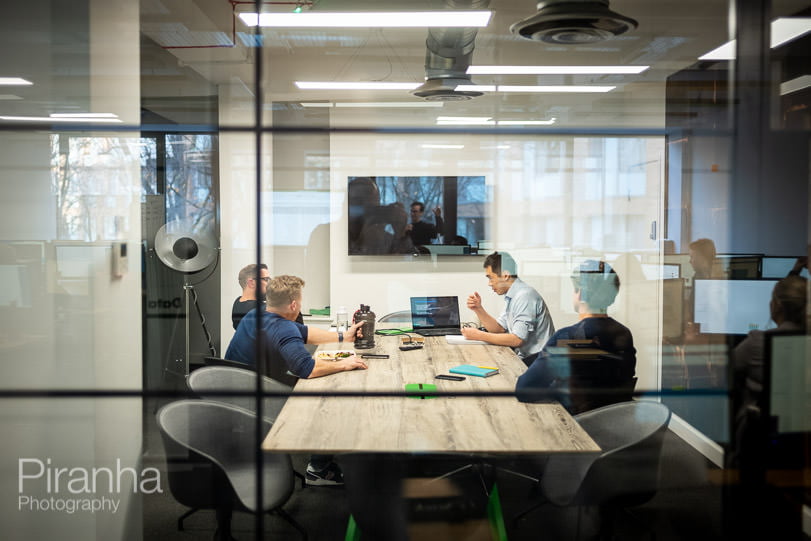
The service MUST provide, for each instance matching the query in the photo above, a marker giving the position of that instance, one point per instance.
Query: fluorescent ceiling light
(783, 30)
(375, 104)
(57, 119)
(477, 88)
(795, 84)
(84, 115)
(14, 81)
(446, 147)
(788, 29)
(488, 121)
(537, 89)
(555, 88)
(527, 122)
(395, 104)
(9, 97)
(370, 19)
(465, 123)
(464, 120)
(724, 52)
(555, 70)
(312, 85)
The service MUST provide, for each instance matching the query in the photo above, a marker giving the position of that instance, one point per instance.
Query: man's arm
(533, 384)
(474, 302)
(317, 336)
(496, 338)
(325, 368)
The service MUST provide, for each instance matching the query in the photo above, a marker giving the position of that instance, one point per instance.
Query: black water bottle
(365, 315)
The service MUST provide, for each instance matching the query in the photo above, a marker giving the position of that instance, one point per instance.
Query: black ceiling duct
(572, 22)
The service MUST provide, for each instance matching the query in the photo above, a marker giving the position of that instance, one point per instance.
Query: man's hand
(352, 363)
(474, 302)
(354, 332)
(472, 333)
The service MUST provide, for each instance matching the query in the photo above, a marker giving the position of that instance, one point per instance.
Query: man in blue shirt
(284, 339)
(525, 325)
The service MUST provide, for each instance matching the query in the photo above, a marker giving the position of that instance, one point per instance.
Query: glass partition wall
(152, 151)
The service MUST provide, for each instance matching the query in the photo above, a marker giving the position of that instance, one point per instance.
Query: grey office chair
(227, 378)
(225, 435)
(403, 316)
(191, 479)
(624, 474)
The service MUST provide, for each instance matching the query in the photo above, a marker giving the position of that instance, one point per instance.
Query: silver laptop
(435, 316)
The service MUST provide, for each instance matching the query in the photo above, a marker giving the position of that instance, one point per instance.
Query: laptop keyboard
(437, 332)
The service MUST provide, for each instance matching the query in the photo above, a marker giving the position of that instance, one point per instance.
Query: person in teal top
(595, 287)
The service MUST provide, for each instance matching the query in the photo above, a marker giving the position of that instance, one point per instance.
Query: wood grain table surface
(485, 424)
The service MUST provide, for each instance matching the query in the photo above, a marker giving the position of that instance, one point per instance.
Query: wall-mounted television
(445, 215)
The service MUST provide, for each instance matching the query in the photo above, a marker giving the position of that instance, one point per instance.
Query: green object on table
(418, 387)
(319, 311)
(393, 332)
(494, 516)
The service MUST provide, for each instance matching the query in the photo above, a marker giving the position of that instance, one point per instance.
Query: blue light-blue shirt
(527, 317)
(284, 339)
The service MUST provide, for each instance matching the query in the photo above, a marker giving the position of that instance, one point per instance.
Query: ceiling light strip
(538, 89)
(385, 19)
(14, 81)
(783, 30)
(556, 70)
(377, 85)
(57, 119)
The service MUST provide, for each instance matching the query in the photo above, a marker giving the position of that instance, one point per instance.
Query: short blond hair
(284, 289)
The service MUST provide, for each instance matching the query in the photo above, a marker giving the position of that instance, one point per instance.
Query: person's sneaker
(329, 476)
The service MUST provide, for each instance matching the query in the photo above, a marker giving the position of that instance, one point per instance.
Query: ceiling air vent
(571, 22)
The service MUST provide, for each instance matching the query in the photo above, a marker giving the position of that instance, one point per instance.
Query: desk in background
(332, 424)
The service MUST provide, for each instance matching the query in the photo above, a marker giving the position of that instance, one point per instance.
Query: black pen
(373, 356)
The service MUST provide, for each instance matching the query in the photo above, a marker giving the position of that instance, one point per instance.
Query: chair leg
(301, 478)
(525, 512)
(224, 515)
(286, 516)
(184, 516)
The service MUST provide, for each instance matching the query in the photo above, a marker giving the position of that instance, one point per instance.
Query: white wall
(87, 337)
(524, 185)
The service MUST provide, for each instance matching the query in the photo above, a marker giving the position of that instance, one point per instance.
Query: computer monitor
(779, 267)
(737, 266)
(786, 375)
(743, 267)
(732, 306)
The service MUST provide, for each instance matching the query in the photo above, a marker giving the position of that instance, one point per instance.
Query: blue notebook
(470, 370)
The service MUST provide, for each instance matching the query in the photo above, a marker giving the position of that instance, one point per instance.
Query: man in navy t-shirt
(284, 340)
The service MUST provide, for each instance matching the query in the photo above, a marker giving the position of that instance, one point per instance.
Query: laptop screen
(434, 312)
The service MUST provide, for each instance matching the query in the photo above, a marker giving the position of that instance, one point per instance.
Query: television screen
(412, 215)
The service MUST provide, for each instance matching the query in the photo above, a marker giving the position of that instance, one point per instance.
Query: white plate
(333, 355)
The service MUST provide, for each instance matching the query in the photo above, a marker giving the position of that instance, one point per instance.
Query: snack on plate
(333, 355)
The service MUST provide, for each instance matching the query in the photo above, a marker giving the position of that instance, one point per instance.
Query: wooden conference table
(332, 424)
